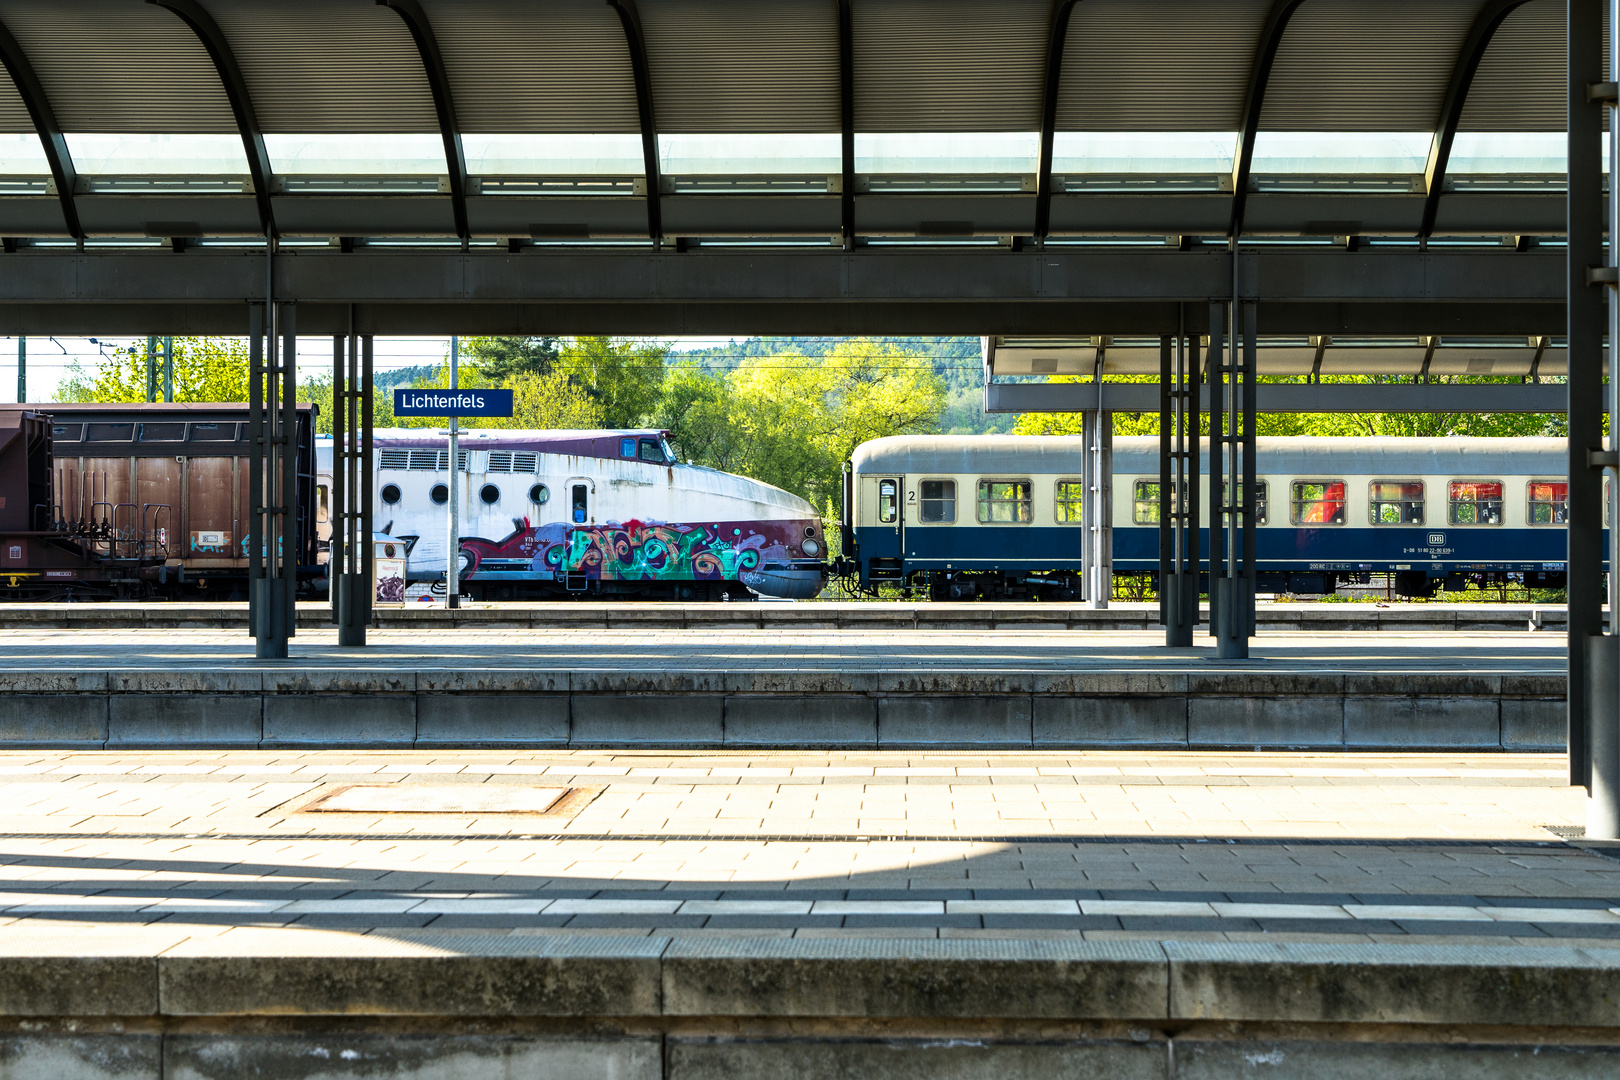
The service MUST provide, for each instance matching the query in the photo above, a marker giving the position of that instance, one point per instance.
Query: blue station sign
(419, 402)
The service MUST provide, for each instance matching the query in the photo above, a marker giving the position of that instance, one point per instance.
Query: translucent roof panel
(948, 153)
(326, 66)
(559, 67)
(108, 65)
(1335, 153)
(1365, 65)
(22, 155)
(553, 155)
(949, 65)
(1160, 152)
(356, 155)
(1189, 74)
(732, 66)
(1510, 152)
(157, 155)
(751, 154)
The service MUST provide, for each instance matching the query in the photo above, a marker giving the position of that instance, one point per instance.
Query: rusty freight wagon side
(152, 500)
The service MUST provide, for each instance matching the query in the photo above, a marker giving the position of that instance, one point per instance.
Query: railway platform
(799, 615)
(665, 914)
(741, 688)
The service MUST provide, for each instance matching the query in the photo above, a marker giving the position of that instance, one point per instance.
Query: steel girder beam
(43, 117)
(655, 318)
(636, 42)
(802, 276)
(846, 121)
(987, 291)
(1292, 397)
(1056, 41)
(1478, 40)
(427, 46)
(219, 51)
(1254, 102)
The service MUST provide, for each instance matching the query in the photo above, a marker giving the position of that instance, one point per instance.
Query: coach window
(1317, 502)
(1549, 503)
(1145, 503)
(1260, 501)
(938, 501)
(1395, 502)
(321, 510)
(1475, 502)
(1004, 501)
(627, 448)
(888, 500)
(581, 502)
(1067, 504)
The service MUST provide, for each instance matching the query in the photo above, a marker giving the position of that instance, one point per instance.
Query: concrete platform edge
(810, 710)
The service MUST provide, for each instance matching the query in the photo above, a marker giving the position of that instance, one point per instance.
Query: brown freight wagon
(131, 501)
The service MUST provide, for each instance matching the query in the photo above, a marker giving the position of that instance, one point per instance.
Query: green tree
(791, 420)
(502, 358)
(548, 400)
(696, 410)
(624, 376)
(205, 369)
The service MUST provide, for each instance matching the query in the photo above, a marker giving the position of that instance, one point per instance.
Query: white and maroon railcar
(588, 513)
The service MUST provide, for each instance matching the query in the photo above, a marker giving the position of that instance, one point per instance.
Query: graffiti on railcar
(632, 550)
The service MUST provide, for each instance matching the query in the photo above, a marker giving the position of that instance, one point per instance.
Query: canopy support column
(1231, 481)
(272, 477)
(1594, 659)
(1097, 506)
(1178, 488)
(350, 569)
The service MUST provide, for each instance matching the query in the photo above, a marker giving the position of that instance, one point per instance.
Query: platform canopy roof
(592, 126)
(578, 119)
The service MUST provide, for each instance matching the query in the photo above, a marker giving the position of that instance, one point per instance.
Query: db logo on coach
(1437, 538)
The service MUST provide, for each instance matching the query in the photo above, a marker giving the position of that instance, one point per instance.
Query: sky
(51, 359)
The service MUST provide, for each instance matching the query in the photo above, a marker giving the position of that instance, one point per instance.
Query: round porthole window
(490, 494)
(440, 494)
(539, 493)
(390, 494)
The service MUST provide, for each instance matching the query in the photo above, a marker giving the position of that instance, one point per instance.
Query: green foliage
(205, 369)
(503, 358)
(623, 376)
(792, 421)
(1352, 424)
(956, 360)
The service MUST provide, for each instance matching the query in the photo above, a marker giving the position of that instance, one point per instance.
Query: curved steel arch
(1254, 101)
(1486, 23)
(230, 76)
(439, 82)
(1056, 41)
(636, 41)
(45, 125)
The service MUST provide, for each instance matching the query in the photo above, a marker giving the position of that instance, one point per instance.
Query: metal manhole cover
(451, 799)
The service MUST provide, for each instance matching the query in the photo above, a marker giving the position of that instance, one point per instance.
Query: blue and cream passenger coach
(1001, 516)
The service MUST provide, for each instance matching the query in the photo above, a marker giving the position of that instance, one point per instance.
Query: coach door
(884, 517)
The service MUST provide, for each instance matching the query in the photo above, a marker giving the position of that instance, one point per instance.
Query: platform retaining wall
(661, 1008)
(845, 710)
